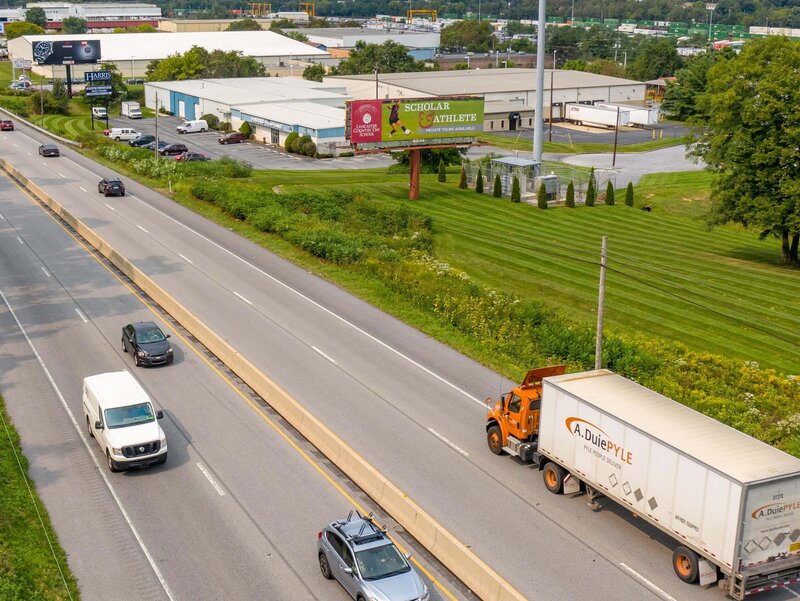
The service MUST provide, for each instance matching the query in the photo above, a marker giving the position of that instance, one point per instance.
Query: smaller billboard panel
(415, 120)
(99, 91)
(67, 52)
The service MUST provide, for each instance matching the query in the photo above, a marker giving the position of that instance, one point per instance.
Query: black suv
(111, 186)
(143, 140)
(173, 150)
(147, 343)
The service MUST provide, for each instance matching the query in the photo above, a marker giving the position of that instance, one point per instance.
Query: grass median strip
(32, 564)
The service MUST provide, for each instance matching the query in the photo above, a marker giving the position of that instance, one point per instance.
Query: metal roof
(151, 46)
(240, 91)
(489, 81)
(718, 446)
(304, 114)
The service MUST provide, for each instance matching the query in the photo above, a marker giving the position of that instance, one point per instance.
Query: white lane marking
(243, 298)
(20, 240)
(787, 589)
(210, 478)
(110, 207)
(82, 189)
(647, 583)
(47, 273)
(62, 175)
(324, 355)
(29, 154)
(448, 443)
(81, 315)
(2, 216)
(100, 469)
(43, 163)
(141, 228)
(189, 261)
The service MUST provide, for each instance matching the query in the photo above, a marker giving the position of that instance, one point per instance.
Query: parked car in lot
(147, 343)
(366, 562)
(152, 145)
(142, 140)
(48, 150)
(111, 186)
(6, 125)
(123, 133)
(232, 138)
(191, 156)
(173, 150)
(20, 85)
(189, 127)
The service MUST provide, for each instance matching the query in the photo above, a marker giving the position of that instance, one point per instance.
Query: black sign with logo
(67, 52)
(91, 76)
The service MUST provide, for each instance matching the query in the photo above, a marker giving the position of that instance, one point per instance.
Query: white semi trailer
(588, 114)
(643, 116)
(730, 501)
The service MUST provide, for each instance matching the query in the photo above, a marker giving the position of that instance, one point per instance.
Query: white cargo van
(120, 416)
(99, 112)
(123, 133)
(190, 127)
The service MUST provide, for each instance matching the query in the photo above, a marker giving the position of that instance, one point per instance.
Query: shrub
(290, 140)
(226, 126)
(629, 194)
(329, 243)
(224, 167)
(347, 153)
(516, 196)
(498, 186)
(479, 182)
(570, 200)
(272, 218)
(590, 191)
(245, 129)
(299, 143)
(610, 193)
(212, 120)
(462, 183)
(309, 148)
(541, 197)
(442, 173)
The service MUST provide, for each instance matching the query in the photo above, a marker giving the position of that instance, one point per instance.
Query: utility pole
(598, 346)
(552, 71)
(376, 82)
(539, 110)
(156, 150)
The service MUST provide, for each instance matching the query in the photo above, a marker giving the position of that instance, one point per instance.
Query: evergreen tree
(498, 186)
(541, 198)
(629, 194)
(479, 182)
(590, 192)
(442, 175)
(515, 193)
(462, 183)
(610, 193)
(570, 201)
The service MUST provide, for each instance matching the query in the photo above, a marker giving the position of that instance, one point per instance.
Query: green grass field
(578, 148)
(29, 567)
(721, 291)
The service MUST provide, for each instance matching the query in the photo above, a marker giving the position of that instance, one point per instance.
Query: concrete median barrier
(460, 560)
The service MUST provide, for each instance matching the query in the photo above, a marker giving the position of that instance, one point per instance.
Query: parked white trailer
(643, 116)
(729, 500)
(588, 114)
(131, 110)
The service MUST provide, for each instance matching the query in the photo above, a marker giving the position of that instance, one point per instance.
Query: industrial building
(133, 52)
(273, 106)
(98, 15)
(420, 45)
(509, 94)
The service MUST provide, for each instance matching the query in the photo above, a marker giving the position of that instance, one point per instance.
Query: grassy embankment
(524, 145)
(33, 566)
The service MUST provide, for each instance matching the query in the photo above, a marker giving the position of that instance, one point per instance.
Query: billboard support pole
(414, 155)
(69, 82)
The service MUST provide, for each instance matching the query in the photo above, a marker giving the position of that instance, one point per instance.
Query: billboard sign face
(90, 76)
(415, 120)
(99, 90)
(67, 52)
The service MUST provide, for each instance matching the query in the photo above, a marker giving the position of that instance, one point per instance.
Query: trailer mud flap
(571, 484)
(708, 572)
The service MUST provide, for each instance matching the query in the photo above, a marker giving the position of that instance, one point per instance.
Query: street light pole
(539, 110)
(552, 72)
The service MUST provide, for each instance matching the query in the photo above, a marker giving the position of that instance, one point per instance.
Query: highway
(412, 407)
(234, 512)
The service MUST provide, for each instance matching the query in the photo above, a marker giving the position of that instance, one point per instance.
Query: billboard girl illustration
(395, 121)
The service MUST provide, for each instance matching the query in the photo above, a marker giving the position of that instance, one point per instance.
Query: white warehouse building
(133, 52)
(273, 106)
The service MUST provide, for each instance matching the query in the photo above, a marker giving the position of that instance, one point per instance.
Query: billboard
(414, 120)
(90, 76)
(67, 52)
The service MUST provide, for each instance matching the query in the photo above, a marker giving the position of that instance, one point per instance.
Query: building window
(491, 124)
(530, 122)
(502, 125)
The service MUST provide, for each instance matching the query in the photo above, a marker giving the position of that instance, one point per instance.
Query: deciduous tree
(314, 72)
(473, 36)
(20, 28)
(389, 57)
(74, 25)
(244, 25)
(36, 15)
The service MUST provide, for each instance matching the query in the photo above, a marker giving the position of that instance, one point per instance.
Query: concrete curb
(460, 560)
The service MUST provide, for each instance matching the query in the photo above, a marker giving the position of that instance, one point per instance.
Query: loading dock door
(182, 109)
(514, 121)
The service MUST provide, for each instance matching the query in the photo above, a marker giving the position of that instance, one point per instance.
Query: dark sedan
(147, 343)
(6, 125)
(232, 138)
(48, 150)
(152, 145)
(142, 140)
(191, 156)
(111, 186)
(171, 150)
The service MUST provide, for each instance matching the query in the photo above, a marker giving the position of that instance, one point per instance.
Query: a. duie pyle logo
(596, 437)
(774, 510)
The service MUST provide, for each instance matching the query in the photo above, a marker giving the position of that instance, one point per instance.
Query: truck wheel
(553, 475)
(686, 564)
(111, 467)
(495, 439)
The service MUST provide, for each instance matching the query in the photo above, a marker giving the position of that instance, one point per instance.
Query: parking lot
(259, 155)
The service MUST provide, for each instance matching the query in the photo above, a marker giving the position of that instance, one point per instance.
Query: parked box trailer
(731, 502)
(643, 116)
(588, 114)
(131, 110)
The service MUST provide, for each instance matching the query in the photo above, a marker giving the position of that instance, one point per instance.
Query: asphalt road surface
(412, 407)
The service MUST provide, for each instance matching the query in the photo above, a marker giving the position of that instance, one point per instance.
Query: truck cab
(512, 423)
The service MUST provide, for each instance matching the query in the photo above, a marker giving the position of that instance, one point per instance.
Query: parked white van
(99, 112)
(120, 416)
(123, 133)
(190, 127)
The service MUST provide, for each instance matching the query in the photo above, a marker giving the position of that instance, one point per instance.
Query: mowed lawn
(722, 291)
